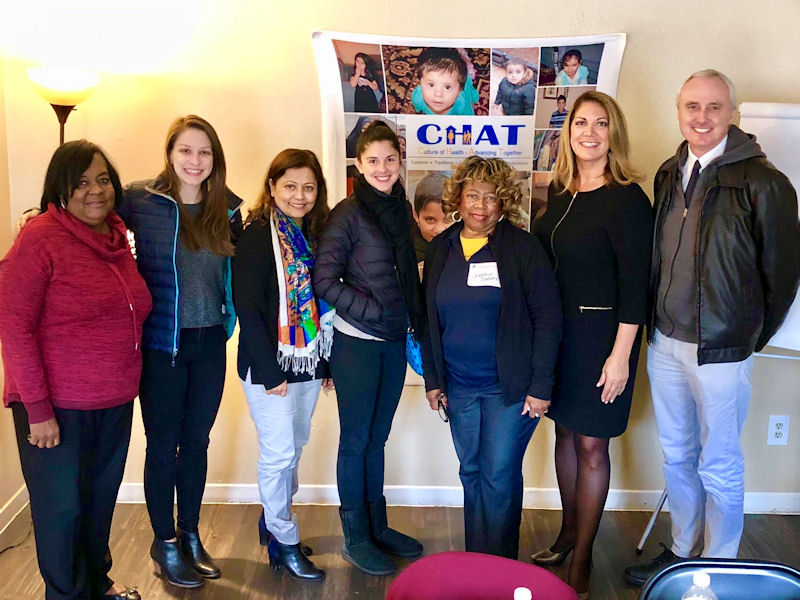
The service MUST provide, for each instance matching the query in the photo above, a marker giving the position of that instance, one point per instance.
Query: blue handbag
(413, 354)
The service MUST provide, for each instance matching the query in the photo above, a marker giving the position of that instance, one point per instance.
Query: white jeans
(700, 412)
(283, 425)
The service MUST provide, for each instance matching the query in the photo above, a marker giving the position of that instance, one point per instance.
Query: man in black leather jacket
(725, 270)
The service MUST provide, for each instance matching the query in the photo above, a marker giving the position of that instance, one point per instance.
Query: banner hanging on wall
(448, 99)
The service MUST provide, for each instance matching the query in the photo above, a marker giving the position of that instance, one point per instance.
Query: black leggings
(179, 406)
(369, 378)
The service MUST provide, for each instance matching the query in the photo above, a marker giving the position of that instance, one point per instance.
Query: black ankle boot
(192, 547)
(387, 539)
(359, 548)
(175, 566)
(292, 557)
(265, 535)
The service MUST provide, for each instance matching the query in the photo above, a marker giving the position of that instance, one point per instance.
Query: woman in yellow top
(494, 330)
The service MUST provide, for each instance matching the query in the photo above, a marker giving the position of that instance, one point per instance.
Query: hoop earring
(503, 216)
(456, 214)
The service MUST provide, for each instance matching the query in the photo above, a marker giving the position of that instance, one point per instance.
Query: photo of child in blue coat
(517, 90)
(445, 84)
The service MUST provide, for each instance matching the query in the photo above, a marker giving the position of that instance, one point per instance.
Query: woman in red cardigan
(72, 304)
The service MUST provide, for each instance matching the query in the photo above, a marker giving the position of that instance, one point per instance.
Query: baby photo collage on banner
(449, 99)
(507, 99)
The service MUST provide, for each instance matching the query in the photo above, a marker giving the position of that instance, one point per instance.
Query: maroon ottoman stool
(475, 576)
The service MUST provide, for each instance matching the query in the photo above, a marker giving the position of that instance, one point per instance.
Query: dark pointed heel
(292, 558)
(265, 535)
(272, 550)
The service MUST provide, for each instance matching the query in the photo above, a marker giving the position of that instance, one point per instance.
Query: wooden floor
(229, 533)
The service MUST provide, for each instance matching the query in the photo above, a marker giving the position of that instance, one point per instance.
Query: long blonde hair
(619, 169)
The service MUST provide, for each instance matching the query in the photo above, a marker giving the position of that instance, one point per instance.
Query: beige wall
(5, 201)
(249, 68)
(11, 493)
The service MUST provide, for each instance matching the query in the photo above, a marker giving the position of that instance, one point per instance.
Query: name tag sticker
(483, 275)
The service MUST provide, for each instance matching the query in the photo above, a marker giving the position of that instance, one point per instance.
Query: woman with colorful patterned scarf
(285, 338)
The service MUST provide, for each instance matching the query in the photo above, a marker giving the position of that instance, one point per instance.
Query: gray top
(676, 303)
(201, 283)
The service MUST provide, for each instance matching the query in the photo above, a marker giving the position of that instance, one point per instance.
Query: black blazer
(529, 322)
(255, 296)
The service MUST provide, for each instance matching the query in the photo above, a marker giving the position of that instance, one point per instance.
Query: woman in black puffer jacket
(367, 270)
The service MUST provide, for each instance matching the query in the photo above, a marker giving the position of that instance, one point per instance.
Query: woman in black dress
(365, 84)
(597, 231)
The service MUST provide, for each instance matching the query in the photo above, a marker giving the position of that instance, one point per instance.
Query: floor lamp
(63, 89)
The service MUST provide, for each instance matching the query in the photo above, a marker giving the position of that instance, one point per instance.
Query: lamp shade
(61, 86)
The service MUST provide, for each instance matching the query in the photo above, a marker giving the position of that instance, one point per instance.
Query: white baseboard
(399, 495)
(17, 506)
(768, 502)
(11, 508)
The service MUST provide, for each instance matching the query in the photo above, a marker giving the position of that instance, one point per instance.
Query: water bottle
(700, 589)
(523, 593)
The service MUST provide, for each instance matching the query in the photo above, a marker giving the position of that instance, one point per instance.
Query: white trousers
(283, 425)
(700, 412)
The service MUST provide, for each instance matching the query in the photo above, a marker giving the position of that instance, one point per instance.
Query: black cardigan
(529, 321)
(255, 296)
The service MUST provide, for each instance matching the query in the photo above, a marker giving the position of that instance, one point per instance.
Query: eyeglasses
(473, 199)
(442, 409)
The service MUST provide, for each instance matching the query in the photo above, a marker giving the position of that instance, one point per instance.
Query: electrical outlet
(778, 430)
